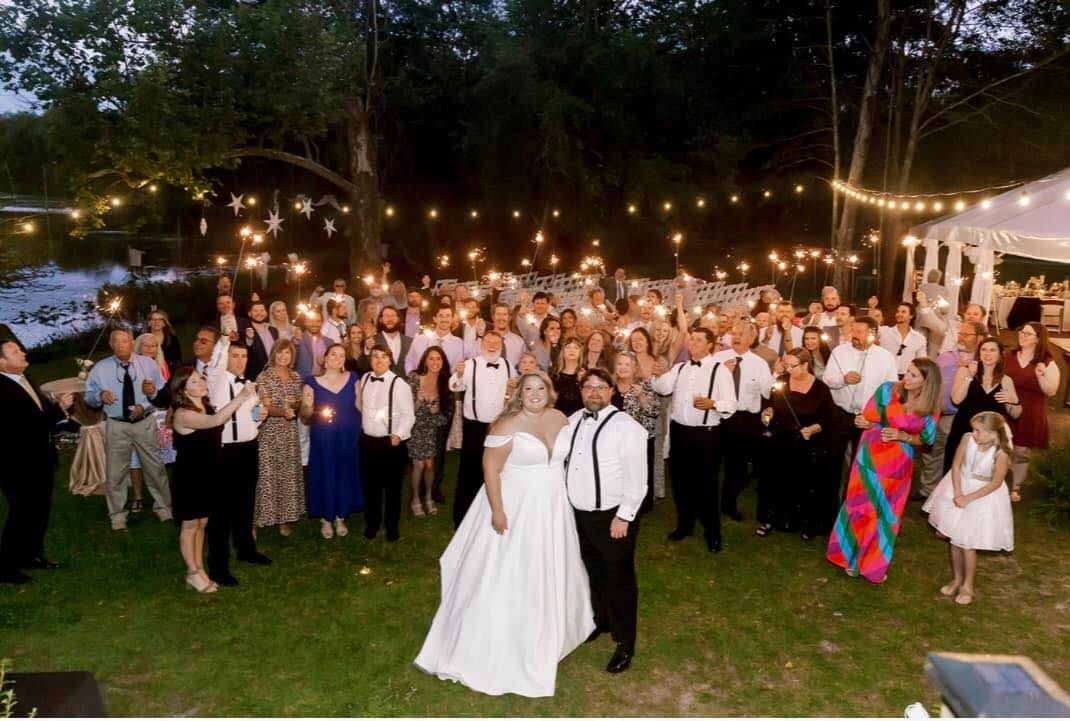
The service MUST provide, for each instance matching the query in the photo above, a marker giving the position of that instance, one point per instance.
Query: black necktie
(128, 391)
(593, 415)
(376, 379)
(736, 374)
(492, 365)
(696, 363)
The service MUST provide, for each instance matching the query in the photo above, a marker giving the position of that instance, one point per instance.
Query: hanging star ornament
(235, 202)
(274, 223)
(328, 225)
(306, 208)
(204, 227)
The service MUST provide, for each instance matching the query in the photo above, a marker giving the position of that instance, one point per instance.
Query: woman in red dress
(1036, 378)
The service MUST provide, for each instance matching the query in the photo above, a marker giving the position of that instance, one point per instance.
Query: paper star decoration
(235, 202)
(274, 221)
(306, 208)
(328, 225)
(204, 227)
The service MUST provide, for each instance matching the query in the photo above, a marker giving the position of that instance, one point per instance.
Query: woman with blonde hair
(147, 345)
(159, 325)
(899, 418)
(971, 507)
(566, 374)
(279, 319)
(636, 397)
(280, 488)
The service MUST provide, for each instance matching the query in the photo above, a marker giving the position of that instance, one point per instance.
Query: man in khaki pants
(127, 386)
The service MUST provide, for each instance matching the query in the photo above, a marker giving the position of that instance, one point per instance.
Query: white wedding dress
(513, 605)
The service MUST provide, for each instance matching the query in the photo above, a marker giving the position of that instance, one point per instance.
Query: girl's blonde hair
(516, 404)
(992, 421)
(140, 341)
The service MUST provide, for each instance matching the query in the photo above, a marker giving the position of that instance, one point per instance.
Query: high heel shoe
(431, 507)
(196, 581)
(417, 509)
(340, 529)
(325, 529)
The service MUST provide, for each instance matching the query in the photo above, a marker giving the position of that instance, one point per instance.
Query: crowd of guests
(274, 417)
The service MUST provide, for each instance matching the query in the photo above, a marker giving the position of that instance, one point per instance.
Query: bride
(515, 595)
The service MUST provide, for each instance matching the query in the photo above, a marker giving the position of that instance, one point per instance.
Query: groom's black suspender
(594, 457)
(389, 404)
(475, 367)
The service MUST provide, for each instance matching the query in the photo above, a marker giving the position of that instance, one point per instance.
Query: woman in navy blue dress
(329, 406)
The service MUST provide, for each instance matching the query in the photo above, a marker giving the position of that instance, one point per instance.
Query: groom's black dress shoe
(41, 563)
(679, 534)
(224, 579)
(622, 659)
(594, 634)
(714, 546)
(258, 559)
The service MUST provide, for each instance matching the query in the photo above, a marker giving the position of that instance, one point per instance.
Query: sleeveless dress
(1030, 429)
(512, 605)
(195, 485)
(986, 524)
(334, 485)
(867, 526)
(976, 401)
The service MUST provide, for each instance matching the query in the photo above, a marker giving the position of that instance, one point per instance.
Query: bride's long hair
(516, 404)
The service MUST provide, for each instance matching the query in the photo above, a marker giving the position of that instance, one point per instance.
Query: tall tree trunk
(834, 104)
(860, 152)
(366, 230)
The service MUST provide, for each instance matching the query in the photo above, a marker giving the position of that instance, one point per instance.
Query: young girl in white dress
(971, 506)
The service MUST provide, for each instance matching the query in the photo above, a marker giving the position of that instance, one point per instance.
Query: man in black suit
(390, 334)
(26, 427)
(616, 287)
(259, 337)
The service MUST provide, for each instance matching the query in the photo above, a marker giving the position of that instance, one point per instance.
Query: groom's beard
(594, 406)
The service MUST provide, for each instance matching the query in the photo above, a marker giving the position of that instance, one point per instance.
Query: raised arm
(187, 419)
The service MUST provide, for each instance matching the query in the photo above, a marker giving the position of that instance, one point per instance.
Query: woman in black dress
(566, 375)
(980, 386)
(357, 359)
(432, 402)
(792, 491)
(196, 484)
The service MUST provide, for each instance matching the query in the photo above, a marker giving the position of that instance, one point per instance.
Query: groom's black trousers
(610, 566)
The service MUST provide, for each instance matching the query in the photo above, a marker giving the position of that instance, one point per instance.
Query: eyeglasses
(595, 388)
(792, 367)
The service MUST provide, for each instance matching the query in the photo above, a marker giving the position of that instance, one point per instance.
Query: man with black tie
(26, 428)
(702, 395)
(603, 451)
(233, 515)
(390, 335)
(742, 431)
(483, 380)
(259, 338)
(616, 287)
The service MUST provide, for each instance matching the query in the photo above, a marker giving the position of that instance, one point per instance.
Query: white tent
(1032, 221)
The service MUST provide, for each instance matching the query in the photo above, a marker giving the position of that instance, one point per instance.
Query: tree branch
(309, 165)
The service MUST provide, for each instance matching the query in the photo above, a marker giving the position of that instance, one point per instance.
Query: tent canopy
(1032, 221)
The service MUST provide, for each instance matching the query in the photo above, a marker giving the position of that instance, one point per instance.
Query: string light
(666, 206)
(701, 202)
(433, 213)
(734, 198)
(473, 214)
(76, 214)
(767, 194)
(799, 189)
(153, 189)
(116, 201)
(516, 214)
(1025, 200)
(920, 202)
(27, 227)
(345, 208)
(632, 210)
(389, 211)
(251, 200)
(556, 213)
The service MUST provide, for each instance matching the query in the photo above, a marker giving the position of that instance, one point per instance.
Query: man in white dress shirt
(339, 293)
(233, 515)
(604, 454)
(742, 431)
(387, 417)
(512, 344)
(484, 381)
(783, 334)
(441, 336)
(334, 322)
(702, 396)
(540, 308)
(901, 340)
(471, 329)
(853, 374)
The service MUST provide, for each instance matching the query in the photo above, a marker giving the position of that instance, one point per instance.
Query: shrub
(1052, 471)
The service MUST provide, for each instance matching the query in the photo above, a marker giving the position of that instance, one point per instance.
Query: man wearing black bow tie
(604, 454)
(233, 514)
(483, 380)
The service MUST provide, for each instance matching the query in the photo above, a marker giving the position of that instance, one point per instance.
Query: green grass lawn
(767, 627)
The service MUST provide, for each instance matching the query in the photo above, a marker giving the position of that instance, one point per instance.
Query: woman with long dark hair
(980, 386)
(433, 406)
(568, 323)
(549, 343)
(357, 346)
(566, 375)
(196, 482)
(815, 344)
(1036, 378)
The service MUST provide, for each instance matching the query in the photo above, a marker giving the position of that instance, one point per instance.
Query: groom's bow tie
(593, 415)
(492, 365)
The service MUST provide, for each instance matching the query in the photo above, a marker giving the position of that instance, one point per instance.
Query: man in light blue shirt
(127, 386)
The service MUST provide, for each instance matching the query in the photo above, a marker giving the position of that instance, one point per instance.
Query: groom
(605, 473)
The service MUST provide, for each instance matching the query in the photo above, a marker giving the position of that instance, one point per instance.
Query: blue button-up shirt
(107, 375)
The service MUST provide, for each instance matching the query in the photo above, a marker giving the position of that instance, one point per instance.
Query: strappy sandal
(764, 530)
(135, 506)
(417, 509)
